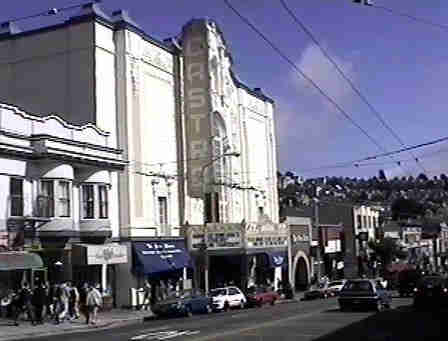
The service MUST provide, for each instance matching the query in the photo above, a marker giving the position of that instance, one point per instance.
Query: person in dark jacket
(39, 300)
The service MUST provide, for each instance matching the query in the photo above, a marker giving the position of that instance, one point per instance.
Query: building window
(358, 218)
(260, 211)
(64, 199)
(364, 222)
(46, 199)
(163, 211)
(16, 196)
(88, 202)
(103, 203)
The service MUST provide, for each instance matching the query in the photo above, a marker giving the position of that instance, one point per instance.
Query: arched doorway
(301, 271)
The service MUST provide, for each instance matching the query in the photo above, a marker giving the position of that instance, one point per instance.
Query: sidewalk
(113, 318)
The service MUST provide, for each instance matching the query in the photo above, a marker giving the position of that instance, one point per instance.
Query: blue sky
(400, 65)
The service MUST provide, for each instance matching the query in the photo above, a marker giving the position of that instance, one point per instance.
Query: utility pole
(316, 226)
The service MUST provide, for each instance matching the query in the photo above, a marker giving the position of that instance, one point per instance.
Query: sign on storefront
(89, 254)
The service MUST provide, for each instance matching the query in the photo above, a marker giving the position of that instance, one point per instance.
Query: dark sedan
(431, 291)
(364, 293)
(186, 304)
(258, 296)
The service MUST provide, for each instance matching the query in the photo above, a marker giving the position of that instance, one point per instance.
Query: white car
(335, 287)
(228, 297)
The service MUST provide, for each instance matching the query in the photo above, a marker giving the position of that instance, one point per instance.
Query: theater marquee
(197, 102)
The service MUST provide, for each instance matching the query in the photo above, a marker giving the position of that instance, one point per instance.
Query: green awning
(19, 261)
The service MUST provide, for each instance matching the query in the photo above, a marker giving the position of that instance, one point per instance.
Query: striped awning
(19, 261)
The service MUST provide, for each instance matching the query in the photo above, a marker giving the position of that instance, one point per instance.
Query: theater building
(200, 143)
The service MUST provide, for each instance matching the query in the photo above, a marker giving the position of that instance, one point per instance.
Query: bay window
(88, 202)
(46, 199)
(64, 199)
(103, 201)
(16, 197)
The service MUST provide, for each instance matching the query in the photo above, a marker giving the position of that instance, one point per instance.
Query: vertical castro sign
(197, 102)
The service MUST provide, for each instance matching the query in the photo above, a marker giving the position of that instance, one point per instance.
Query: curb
(104, 326)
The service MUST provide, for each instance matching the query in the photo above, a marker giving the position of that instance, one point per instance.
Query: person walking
(23, 304)
(147, 296)
(73, 302)
(39, 300)
(94, 302)
(63, 296)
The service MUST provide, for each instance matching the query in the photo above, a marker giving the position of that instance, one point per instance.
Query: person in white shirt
(94, 302)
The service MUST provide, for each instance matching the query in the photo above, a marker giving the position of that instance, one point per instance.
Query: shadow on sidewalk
(403, 323)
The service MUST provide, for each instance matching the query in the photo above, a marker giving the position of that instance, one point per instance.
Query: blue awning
(278, 258)
(158, 258)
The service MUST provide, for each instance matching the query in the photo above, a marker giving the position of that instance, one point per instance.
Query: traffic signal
(364, 2)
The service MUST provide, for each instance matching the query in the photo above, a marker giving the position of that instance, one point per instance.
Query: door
(234, 297)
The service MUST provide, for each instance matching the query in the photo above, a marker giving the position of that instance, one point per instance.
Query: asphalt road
(314, 320)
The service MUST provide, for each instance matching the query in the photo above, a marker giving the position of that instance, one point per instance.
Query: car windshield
(333, 284)
(218, 292)
(358, 286)
(256, 290)
(431, 281)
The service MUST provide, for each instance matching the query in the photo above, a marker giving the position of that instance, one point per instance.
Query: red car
(258, 296)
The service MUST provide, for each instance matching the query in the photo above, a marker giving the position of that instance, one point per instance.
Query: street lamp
(203, 193)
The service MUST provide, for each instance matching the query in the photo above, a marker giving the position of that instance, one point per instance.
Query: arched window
(222, 168)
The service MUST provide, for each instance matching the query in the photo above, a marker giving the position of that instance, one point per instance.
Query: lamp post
(212, 202)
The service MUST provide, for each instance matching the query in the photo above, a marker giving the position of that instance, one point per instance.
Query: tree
(387, 250)
(403, 208)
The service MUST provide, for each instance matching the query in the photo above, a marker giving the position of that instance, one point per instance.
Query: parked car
(407, 282)
(364, 293)
(228, 297)
(335, 286)
(431, 292)
(186, 304)
(317, 291)
(258, 296)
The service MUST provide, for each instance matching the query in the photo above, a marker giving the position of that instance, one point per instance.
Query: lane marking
(164, 335)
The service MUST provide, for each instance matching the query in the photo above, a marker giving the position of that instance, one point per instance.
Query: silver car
(364, 293)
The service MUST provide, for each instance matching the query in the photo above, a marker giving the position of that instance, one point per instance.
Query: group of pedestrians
(55, 303)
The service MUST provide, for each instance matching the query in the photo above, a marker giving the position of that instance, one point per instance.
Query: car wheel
(226, 306)
(208, 309)
(242, 304)
(188, 311)
(273, 302)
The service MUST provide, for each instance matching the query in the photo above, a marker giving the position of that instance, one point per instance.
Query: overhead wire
(308, 32)
(305, 76)
(411, 17)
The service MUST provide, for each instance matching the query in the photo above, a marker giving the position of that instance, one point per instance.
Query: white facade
(46, 162)
(105, 70)
(366, 220)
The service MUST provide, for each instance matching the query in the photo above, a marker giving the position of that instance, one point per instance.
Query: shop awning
(155, 258)
(278, 258)
(19, 261)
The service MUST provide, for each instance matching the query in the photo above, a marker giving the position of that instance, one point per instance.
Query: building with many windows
(58, 197)
(199, 142)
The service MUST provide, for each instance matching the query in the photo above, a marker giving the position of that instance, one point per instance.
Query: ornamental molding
(157, 57)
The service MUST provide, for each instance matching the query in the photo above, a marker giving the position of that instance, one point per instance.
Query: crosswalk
(164, 335)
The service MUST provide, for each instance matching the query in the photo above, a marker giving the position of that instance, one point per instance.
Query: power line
(411, 17)
(343, 75)
(51, 11)
(305, 76)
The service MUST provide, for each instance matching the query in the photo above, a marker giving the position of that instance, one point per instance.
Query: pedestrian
(16, 306)
(83, 299)
(73, 302)
(39, 300)
(94, 302)
(147, 295)
(63, 296)
(24, 304)
(5, 304)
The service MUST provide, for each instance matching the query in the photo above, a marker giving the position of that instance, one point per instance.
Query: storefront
(17, 267)
(95, 264)
(163, 263)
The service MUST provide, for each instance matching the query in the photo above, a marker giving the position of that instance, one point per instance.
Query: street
(309, 320)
